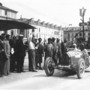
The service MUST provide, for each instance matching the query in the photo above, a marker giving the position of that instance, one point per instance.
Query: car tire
(48, 66)
(80, 68)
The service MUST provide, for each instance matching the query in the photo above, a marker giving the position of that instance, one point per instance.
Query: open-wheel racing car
(78, 62)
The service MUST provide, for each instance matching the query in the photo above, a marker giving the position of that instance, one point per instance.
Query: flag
(82, 12)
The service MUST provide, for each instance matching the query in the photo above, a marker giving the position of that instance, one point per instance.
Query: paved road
(39, 81)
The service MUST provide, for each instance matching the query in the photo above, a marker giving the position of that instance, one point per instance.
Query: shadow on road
(60, 74)
(87, 71)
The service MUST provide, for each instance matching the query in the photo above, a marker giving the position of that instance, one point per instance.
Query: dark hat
(53, 39)
(49, 39)
(40, 39)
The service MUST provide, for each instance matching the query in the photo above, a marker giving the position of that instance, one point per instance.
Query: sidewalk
(14, 77)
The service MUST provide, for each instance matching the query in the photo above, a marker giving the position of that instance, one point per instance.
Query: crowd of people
(13, 51)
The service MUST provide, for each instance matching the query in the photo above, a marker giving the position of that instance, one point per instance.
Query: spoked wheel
(80, 68)
(49, 66)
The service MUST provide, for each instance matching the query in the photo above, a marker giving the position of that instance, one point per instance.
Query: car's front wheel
(48, 66)
(80, 68)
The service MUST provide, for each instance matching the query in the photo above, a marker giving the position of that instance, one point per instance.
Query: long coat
(3, 56)
(49, 49)
(40, 52)
(7, 62)
(19, 49)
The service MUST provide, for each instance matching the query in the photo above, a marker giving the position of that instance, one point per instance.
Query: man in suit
(20, 53)
(3, 57)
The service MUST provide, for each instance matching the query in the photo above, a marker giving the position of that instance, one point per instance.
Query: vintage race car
(78, 62)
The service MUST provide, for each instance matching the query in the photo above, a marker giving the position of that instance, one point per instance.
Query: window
(5, 12)
(11, 14)
(0, 11)
(68, 36)
(8, 14)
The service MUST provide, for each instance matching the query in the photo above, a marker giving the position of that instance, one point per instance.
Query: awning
(14, 24)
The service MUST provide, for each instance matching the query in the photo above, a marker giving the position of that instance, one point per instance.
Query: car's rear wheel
(80, 68)
(49, 66)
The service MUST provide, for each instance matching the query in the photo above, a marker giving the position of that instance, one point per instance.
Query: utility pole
(82, 14)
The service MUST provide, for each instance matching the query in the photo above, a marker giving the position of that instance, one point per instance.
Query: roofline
(5, 8)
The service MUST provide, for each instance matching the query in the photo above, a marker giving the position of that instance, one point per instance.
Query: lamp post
(82, 14)
(83, 27)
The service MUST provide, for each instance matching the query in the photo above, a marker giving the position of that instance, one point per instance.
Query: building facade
(43, 30)
(70, 33)
(8, 14)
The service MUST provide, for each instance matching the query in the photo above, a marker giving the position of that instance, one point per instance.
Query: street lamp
(82, 14)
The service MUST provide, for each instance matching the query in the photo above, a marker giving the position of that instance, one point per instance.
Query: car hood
(74, 53)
